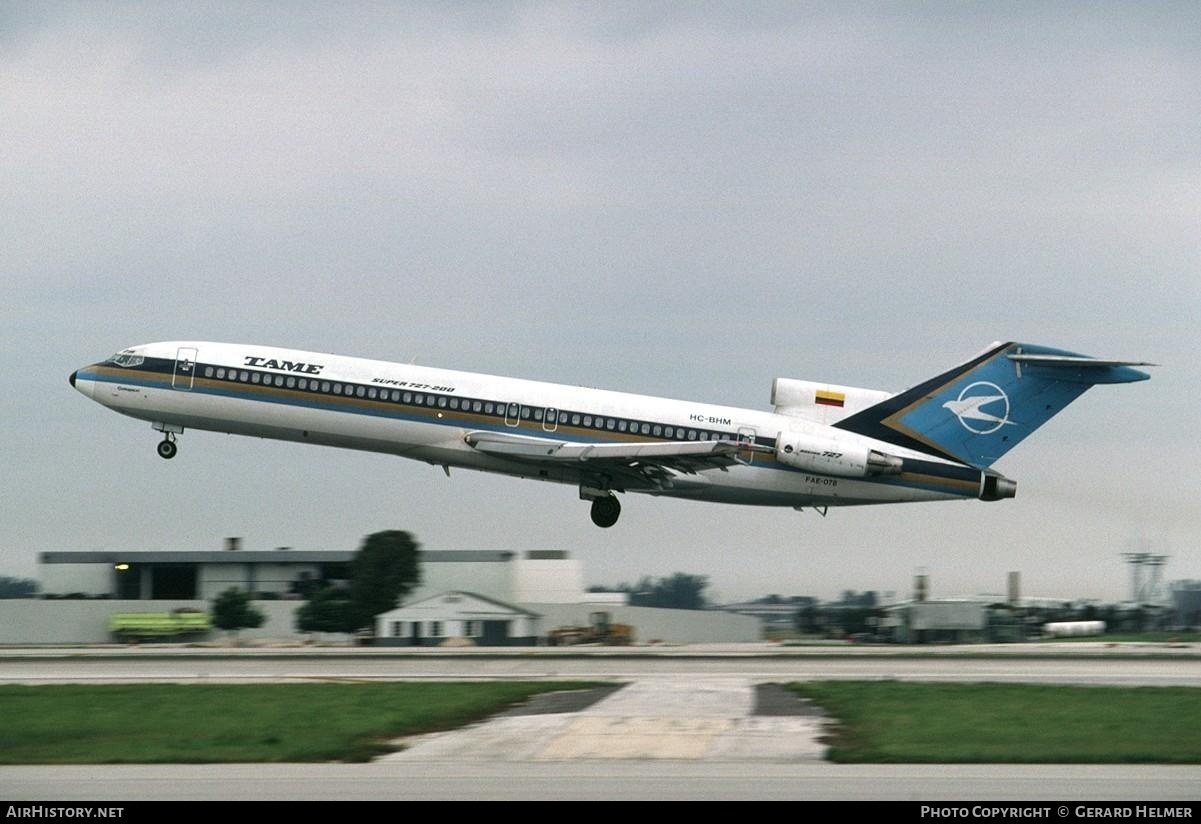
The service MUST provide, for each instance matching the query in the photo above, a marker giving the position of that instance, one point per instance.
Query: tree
(678, 591)
(326, 610)
(383, 571)
(806, 618)
(233, 611)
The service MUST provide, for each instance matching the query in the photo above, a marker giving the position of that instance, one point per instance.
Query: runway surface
(684, 727)
(246, 667)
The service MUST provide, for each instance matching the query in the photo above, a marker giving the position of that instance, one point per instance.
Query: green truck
(129, 626)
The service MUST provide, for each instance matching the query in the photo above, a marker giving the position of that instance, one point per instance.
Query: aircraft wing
(644, 464)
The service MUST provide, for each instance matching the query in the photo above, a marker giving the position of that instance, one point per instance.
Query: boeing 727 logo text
(968, 407)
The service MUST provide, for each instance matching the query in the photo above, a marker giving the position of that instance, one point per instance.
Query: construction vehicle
(601, 630)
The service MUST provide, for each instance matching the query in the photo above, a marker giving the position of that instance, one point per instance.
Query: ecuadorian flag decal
(826, 398)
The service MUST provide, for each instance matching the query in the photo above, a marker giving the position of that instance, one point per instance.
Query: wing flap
(547, 449)
(649, 464)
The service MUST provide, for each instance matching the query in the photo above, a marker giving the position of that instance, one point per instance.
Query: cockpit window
(126, 358)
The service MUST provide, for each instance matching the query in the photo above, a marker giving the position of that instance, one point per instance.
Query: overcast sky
(685, 200)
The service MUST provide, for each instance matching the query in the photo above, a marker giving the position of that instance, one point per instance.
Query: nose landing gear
(167, 448)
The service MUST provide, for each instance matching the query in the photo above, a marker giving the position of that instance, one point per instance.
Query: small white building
(459, 615)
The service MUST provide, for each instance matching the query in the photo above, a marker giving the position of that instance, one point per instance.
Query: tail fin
(981, 409)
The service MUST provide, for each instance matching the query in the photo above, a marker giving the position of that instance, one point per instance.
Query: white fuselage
(426, 414)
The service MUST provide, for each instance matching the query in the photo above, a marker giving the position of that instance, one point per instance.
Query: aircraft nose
(81, 383)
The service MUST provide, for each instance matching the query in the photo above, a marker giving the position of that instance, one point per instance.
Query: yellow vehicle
(127, 626)
(601, 631)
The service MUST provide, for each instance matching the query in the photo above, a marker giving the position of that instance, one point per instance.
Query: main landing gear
(167, 448)
(605, 510)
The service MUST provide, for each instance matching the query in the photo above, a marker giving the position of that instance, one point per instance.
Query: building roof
(257, 556)
(516, 610)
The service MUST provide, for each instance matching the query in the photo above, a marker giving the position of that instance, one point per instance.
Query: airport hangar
(491, 597)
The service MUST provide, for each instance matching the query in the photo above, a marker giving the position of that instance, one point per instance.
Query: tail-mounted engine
(829, 457)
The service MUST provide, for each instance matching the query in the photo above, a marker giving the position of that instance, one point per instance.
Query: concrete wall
(37, 621)
(676, 626)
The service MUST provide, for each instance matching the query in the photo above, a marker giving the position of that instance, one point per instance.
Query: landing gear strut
(605, 511)
(167, 447)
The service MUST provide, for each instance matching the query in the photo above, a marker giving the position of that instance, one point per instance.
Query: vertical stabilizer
(981, 409)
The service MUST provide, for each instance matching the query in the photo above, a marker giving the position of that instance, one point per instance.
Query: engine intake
(828, 457)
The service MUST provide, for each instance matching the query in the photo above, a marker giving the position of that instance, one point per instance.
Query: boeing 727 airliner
(822, 446)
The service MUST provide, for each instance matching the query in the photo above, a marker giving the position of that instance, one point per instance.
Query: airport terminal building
(539, 590)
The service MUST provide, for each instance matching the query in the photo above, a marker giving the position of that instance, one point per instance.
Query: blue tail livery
(981, 409)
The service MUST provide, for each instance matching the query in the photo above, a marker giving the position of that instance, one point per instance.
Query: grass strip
(902, 722)
(227, 723)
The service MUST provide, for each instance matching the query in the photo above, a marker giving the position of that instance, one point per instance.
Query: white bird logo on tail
(967, 408)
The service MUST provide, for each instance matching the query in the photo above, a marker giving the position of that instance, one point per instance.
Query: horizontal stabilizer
(1091, 370)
